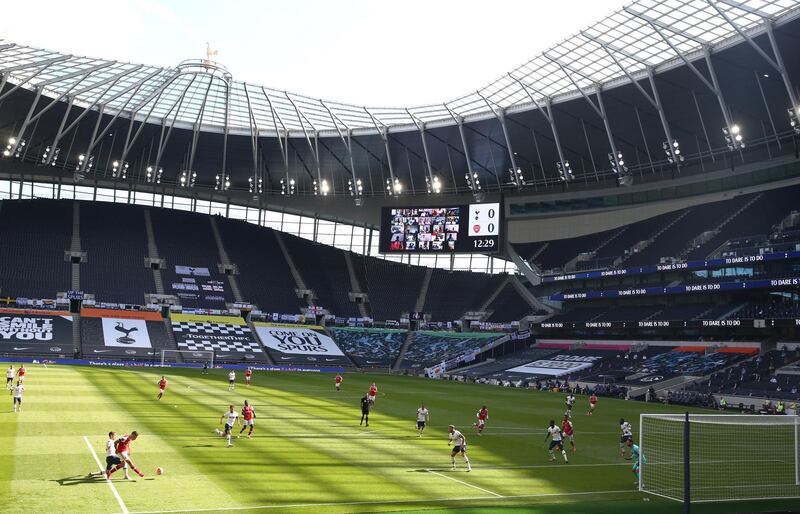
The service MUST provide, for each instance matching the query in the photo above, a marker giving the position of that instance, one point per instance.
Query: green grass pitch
(309, 453)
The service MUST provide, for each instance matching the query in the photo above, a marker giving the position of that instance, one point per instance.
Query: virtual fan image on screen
(463, 229)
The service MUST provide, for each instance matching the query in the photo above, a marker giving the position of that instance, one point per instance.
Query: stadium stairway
(647, 242)
(423, 291)
(298, 280)
(354, 285)
(172, 343)
(697, 241)
(529, 297)
(491, 297)
(402, 353)
(76, 334)
(223, 257)
(152, 253)
(75, 247)
(257, 338)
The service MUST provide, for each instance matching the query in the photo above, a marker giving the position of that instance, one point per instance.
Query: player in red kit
(592, 404)
(569, 432)
(373, 391)
(249, 416)
(482, 416)
(123, 448)
(162, 386)
(338, 381)
(247, 374)
(21, 373)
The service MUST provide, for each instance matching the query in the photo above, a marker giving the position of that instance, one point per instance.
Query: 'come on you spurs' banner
(288, 343)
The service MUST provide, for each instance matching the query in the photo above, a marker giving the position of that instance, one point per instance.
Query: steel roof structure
(647, 34)
(603, 107)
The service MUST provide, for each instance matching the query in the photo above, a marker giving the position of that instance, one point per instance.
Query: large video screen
(473, 228)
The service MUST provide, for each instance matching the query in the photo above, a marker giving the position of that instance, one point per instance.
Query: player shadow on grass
(79, 479)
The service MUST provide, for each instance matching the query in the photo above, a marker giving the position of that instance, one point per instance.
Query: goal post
(187, 356)
(719, 457)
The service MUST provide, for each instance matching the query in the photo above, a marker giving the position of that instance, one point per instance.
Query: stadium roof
(647, 34)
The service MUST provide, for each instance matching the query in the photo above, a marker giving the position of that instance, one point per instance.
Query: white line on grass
(389, 502)
(464, 483)
(110, 484)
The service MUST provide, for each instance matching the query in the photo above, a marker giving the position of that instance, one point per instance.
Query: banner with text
(35, 334)
(307, 343)
(228, 336)
(557, 365)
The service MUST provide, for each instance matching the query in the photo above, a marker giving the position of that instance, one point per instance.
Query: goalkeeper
(638, 459)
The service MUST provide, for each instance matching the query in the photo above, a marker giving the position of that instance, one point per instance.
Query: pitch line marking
(386, 502)
(464, 483)
(108, 481)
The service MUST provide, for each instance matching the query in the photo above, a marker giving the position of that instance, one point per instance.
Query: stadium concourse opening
(576, 289)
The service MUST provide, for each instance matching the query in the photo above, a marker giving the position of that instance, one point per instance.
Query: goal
(187, 356)
(718, 457)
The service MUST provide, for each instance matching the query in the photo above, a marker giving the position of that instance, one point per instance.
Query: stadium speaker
(229, 271)
(155, 265)
(359, 299)
(75, 306)
(165, 311)
(75, 259)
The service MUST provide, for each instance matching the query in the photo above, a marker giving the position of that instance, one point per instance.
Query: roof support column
(662, 115)
(384, 133)
(782, 69)
(500, 114)
(421, 127)
(547, 113)
(460, 123)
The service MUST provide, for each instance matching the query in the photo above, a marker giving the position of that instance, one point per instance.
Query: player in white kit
(459, 443)
(422, 417)
(230, 417)
(10, 378)
(18, 390)
(557, 442)
(231, 380)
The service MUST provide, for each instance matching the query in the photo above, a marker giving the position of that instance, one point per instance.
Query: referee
(365, 410)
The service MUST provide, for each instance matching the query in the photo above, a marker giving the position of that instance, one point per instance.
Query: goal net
(187, 356)
(730, 457)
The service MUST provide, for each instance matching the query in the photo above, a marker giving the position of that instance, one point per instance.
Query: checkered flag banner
(214, 336)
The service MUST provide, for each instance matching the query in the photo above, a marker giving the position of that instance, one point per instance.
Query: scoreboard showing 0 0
(473, 228)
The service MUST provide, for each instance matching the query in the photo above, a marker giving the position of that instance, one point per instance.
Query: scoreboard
(473, 228)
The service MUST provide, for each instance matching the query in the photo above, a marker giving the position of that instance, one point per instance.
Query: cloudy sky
(375, 53)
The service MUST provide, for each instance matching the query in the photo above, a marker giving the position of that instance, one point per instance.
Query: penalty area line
(108, 481)
(464, 483)
(389, 502)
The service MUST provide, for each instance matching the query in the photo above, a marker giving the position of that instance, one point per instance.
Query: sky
(373, 53)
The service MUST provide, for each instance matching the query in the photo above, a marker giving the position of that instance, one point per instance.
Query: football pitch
(308, 453)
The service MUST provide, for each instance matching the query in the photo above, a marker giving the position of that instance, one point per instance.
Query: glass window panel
(67, 192)
(42, 190)
(252, 215)
(217, 208)
(5, 189)
(306, 230)
(238, 213)
(142, 198)
(272, 219)
(203, 206)
(183, 204)
(290, 224)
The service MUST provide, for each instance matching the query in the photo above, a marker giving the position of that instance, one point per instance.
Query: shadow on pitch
(79, 479)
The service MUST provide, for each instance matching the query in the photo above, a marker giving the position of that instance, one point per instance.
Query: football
(159, 471)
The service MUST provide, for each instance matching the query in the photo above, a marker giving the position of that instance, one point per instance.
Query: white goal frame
(205, 355)
(751, 420)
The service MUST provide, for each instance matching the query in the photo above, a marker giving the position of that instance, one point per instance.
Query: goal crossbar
(187, 356)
